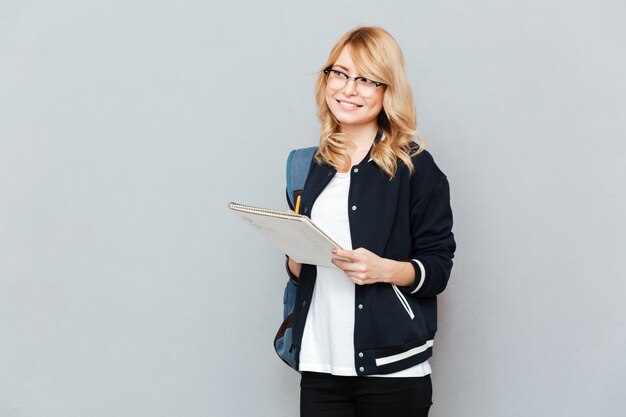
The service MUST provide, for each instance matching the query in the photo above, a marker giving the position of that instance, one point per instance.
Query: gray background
(127, 289)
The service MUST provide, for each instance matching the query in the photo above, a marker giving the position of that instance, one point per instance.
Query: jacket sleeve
(433, 241)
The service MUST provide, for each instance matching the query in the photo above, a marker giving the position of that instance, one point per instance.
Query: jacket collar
(322, 174)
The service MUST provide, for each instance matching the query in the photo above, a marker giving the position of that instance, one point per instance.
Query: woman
(363, 332)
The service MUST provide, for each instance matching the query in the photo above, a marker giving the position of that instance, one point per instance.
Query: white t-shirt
(328, 340)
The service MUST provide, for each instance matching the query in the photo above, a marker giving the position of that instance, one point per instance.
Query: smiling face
(347, 105)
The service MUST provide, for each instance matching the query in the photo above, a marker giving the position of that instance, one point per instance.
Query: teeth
(347, 104)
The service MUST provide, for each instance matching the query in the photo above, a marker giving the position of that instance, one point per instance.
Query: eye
(339, 74)
(366, 82)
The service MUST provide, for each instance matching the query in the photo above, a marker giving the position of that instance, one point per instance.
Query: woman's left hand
(364, 267)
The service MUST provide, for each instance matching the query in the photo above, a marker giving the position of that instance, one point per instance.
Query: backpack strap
(298, 164)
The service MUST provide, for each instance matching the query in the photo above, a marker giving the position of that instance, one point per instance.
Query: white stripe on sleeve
(422, 277)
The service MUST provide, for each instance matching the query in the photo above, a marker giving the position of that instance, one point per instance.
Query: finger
(361, 276)
(353, 279)
(358, 281)
(341, 264)
(348, 266)
(347, 254)
(363, 252)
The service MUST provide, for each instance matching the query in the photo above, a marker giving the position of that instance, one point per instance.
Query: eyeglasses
(338, 80)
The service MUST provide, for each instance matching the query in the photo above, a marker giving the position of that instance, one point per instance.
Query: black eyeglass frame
(327, 71)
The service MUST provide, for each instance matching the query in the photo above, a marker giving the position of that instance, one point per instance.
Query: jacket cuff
(292, 277)
(420, 276)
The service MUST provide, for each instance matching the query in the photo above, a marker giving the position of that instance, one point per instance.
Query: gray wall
(127, 289)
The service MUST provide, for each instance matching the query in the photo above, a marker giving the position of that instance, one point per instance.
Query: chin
(347, 120)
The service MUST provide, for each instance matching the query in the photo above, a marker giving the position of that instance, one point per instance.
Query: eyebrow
(341, 67)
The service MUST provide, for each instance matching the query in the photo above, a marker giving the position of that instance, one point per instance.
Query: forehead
(345, 60)
(362, 67)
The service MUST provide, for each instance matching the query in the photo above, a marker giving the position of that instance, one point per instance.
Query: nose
(350, 88)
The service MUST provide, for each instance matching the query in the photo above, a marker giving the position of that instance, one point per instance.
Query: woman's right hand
(294, 267)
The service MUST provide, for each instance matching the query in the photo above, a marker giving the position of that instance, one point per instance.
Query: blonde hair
(377, 56)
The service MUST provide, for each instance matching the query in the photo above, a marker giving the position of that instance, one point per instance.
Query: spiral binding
(288, 215)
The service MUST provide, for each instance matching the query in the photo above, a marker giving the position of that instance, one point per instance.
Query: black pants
(325, 395)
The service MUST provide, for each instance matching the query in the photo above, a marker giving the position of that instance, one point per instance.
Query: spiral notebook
(294, 234)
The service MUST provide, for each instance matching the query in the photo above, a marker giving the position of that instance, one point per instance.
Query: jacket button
(360, 354)
(353, 208)
(360, 306)
(304, 303)
(362, 369)
(355, 170)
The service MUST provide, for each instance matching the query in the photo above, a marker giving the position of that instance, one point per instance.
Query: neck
(362, 135)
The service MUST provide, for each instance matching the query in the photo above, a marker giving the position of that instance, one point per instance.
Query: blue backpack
(298, 164)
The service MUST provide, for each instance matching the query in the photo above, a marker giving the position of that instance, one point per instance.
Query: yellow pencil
(298, 205)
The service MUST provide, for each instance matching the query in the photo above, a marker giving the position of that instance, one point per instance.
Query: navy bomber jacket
(407, 218)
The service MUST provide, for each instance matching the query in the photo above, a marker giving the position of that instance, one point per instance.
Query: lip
(347, 105)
